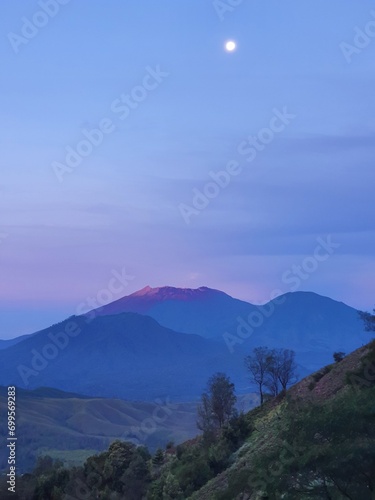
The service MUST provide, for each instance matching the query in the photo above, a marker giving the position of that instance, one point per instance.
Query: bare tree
(258, 365)
(271, 368)
(286, 367)
(272, 381)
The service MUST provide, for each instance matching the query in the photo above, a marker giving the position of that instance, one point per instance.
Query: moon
(230, 45)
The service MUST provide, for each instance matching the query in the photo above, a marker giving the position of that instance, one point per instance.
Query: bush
(317, 376)
(338, 356)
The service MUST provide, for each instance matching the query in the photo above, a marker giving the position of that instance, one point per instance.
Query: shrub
(338, 356)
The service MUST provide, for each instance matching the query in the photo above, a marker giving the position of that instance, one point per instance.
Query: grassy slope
(267, 419)
(77, 423)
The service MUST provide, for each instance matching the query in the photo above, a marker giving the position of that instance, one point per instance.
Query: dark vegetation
(338, 356)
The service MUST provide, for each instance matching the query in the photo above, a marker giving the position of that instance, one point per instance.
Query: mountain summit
(204, 311)
(151, 295)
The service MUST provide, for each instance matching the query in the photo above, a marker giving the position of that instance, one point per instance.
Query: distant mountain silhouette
(127, 356)
(168, 341)
(313, 325)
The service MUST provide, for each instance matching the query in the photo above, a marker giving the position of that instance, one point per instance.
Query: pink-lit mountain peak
(172, 293)
(143, 300)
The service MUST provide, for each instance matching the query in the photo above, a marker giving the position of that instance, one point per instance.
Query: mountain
(140, 355)
(312, 325)
(202, 311)
(126, 356)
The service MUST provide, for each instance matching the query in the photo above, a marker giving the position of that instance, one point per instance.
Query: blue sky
(121, 206)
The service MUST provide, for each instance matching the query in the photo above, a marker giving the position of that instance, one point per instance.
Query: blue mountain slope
(4, 344)
(312, 325)
(127, 355)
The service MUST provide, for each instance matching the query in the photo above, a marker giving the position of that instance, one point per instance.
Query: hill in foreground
(317, 442)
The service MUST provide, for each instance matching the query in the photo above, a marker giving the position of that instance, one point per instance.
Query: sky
(135, 150)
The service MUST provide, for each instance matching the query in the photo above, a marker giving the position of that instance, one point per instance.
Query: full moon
(230, 46)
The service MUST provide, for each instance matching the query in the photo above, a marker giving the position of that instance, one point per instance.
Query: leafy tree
(218, 456)
(136, 478)
(217, 404)
(171, 490)
(158, 458)
(192, 471)
(236, 431)
(204, 410)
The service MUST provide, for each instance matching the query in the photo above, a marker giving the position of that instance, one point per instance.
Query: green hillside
(316, 443)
